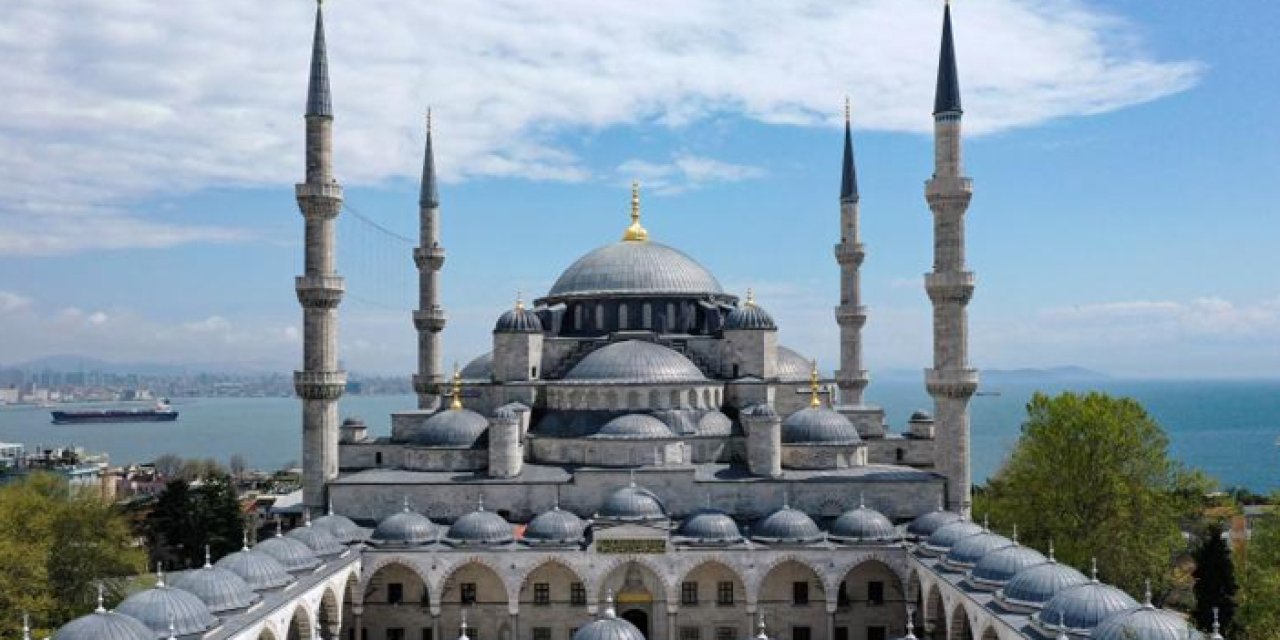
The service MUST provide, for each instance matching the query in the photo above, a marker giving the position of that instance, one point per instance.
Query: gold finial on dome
(751, 298)
(519, 301)
(814, 400)
(456, 392)
(635, 232)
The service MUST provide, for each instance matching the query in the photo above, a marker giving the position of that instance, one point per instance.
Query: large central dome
(630, 267)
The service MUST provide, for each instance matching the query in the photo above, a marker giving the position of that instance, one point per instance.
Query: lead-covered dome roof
(453, 428)
(792, 367)
(709, 526)
(405, 528)
(260, 570)
(1145, 623)
(749, 316)
(924, 525)
(1081, 608)
(608, 627)
(479, 527)
(219, 589)
(342, 528)
(818, 425)
(633, 426)
(104, 625)
(317, 540)
(518, 320)
(1036, 585)
(635, 361)
(786, 525)
(631, 268)
(967, 551)
(481, 368)
(946, 536)
(162, 605)
(863, 524)
(555, 526)
(633, 503)
(996, 568)
(292, 554)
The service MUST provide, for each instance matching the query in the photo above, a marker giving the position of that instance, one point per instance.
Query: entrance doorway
(639, 618)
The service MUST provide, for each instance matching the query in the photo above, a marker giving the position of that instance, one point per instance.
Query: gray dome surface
(104, 625)
(317, 540)
(714, 423)
(863, 524)
(481, 368)
(518, 320)
(160, 605)
(636, 361)
(634, 426)
(786, 525)
(608, 627)
(1034, 586)
(553, 526)
(454, 428)
(967, 551)
(294, 555)
(405, 527)
(710, 526)
(339, 526)
(480, 527)
(260, 570)
(792, 367)
(634, 268)
(632, 503)
(818, 425)
(1083, 607)
(948, 535)
(924, 525)
(1145, 623)
(999, 566)
(219, 589)
(749, 316)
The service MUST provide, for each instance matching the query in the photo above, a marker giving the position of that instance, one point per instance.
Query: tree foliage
(56, 545)
(1257, 615)
(187, 518)
(1091, 473)
(1215, 586)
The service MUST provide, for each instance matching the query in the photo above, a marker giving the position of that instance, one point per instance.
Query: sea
(1229, 429)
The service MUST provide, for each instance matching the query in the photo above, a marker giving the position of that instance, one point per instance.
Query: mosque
(637, 457)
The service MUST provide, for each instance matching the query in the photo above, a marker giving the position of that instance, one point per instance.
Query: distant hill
(70, 363)
(1068, 373)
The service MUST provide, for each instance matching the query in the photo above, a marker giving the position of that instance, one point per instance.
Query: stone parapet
(429, 257)
(951, 383)
(950, 286)
(319, 292)
(850, 253)
(848, 315)
(319, 385)
(948, 187)
(432, 319)
(319, 200)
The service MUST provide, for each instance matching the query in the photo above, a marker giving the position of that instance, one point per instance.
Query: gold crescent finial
(751, 298)
(814, 400)
(519, 301)
(635, 232)
(456, 392)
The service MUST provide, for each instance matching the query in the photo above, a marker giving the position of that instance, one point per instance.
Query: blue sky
(1124, 156)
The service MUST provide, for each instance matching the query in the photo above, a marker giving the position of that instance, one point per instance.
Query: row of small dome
(748, 316)
(1059, 598)
(189, 602)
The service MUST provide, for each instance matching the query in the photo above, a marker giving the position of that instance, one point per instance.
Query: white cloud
(684, 172)
(212, 324)
(124, 99)
(11, 302)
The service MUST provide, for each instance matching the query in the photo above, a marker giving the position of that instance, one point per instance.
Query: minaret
(851, 378)
(429, 319)
(951, 381)
(320, 383)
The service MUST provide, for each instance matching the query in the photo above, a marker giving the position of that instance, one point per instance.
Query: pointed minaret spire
(848, 172)
(946, 99)
(319, 102)
(428, 195)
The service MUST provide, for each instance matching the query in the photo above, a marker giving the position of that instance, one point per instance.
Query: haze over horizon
(1122, 154)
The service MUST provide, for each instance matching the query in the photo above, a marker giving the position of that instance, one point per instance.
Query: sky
(1124, 156)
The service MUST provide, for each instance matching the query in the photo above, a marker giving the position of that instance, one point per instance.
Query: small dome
(1145, 623)
(714, 423)
(634, 267)
(608, 627)
(633, 426)
(924, 525)
(967, 551)
(636, 361)
(710, 526)
(453, 428)
(260, 570)
(632, 503)
(339, 526)
(863, 524)
(318, 540)
(948, 535)
(518, 320)
(406, 528)
(1034, 586)
(1083, 607)
(996, 568)
(555, 526)
(792, 367)
(479, 369)
(219, 589)
(786, 525)
(104, 625)
(479, 527)
(760, 410)
(294, 555)
(919, 415)
(749, 316)
(161, 605)
(818, 425)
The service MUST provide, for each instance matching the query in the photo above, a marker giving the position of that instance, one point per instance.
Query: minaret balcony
(427, 386)
(319, 292)
(430, 319)
(850, 253)
(950, 286)
(951, 383)
(948, 187)
(432, 257)
(323, 200)
(851, 316)
(320, 385)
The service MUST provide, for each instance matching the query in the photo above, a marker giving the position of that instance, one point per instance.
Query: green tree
(185, 519)
(1257, 615)
(1092, 474)
(1215, 586)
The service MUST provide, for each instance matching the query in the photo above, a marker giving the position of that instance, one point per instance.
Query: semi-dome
(792, 367)
(518, 320)
(294, 555)
(555, 526)
(924, 525)
(481, 368)
(104, 625)
(786, 525)
(405, 528)
(1145, 623)
(631, 268)
(342, 528)
(714, 423)
(1034, 586)
(709, 526)
(632, 503)
(996, 568)
(818, 425)
(318, 540)
(453, 428)
(948, 535)
(633, 426)
(636, 361)
(608, 626)
(967, 551)
(162, 605)
(863, 524)
(749, 317)
(1083, 607)
(259, 570)
(479, 527)
(219, 589)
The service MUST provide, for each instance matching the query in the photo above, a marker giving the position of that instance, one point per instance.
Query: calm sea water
(1227, 428)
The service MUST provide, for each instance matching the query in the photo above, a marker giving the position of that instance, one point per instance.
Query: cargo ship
(162, 412)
